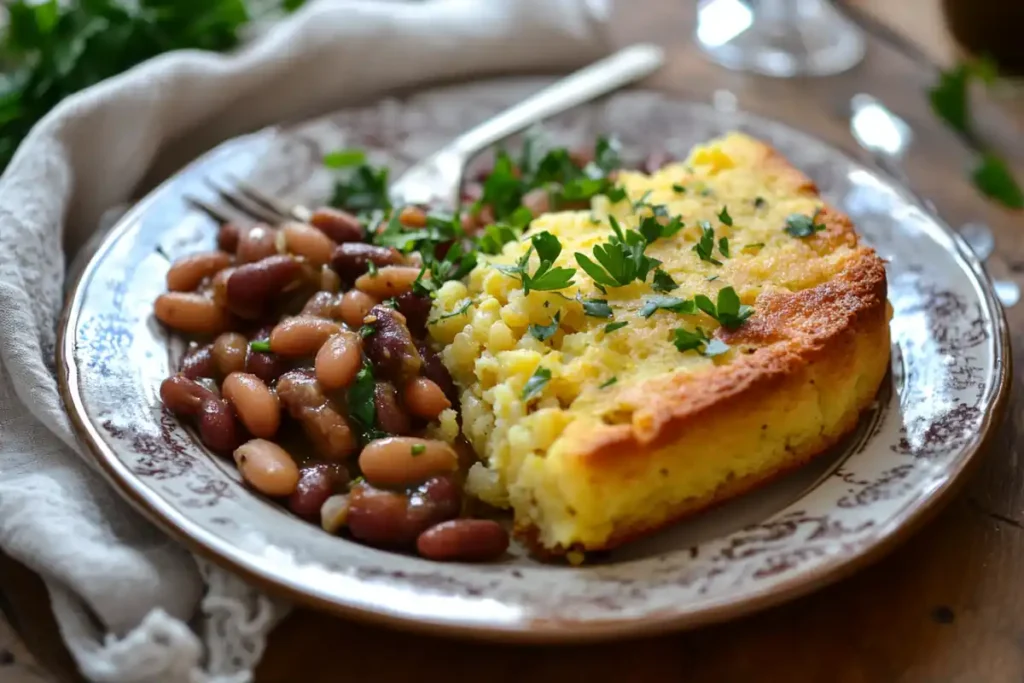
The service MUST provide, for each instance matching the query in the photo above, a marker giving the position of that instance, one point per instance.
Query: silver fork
(436, 180)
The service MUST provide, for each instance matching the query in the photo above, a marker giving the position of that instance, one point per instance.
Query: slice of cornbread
(629, 432)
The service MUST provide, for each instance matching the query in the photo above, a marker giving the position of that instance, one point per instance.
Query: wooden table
(946, 607)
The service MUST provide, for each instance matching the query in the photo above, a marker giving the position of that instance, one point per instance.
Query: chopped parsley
(663, 282)
(495, 236)
(371, 268)
(753, 246)
(344, 158)
(760, 202)
(362, 189)
(366, 330)
(698, 340)
(545, 332)
(801, 225)
(678, 189)
(712, 278)
(651, 228)
(535, 385)
(723, 246)
(596, 308)
(705, 247)
(667, 303)
(724, 216)
(729, 312)
(461, 310)
(611, 327)
(608, 383)
(260, 345)
(993, 177)
(417, 449)
(546, 278)
(621, 260)
(361, 407)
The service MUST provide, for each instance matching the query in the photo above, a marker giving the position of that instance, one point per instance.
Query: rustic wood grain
(947, 607)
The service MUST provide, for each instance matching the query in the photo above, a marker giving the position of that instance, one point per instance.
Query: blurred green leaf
(995, 179)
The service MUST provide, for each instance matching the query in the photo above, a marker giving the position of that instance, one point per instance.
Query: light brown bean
(305, 240)
(267, 467)
(412, 217)
(425, 398)
(463, 540)
(355, 306)
(190, 312)
(338, 360)
(229, 351)
(340, 226)
(329, 280)
(186, 274)
(334, 513)
(256, 244)
(404, 461)
(302, 335)
(388, 281)
(219, 286)
(256, 405)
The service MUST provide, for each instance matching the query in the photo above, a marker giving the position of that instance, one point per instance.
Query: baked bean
(228, 353)
(328, 430)
(301, 335)
(258, 408)
(391, 347)
(267, 467)
(416, 310)
(323, 305)
(391, 417)
(404, 461)
(334, 513)
(355, 306)
(256, 243)
(354, 258)
(424, 398)
(338, 360)
(316, 484)
(190, 312)
(219, 287)
(306, 241)
(340, 226)
(538, 201)
(198, 362)
(188, 272)
(463, 540)
(217, 428)
(434, 370)
(252, 287)
(388, 281)
(329, 280)
(412, 217)
(227, 237)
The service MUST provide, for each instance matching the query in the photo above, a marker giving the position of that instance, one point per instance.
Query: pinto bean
(391, 347)
(434, 370)
(328, 430)
(188, 272)
(391, 417)
(352, 259)
(355, 306)
(301, 335)
(305, 240)
(267, 467)
(252, 287)
(463, 540)
(189, 312)
(323, 305)
(412, 217)
(228, 352)
(388, 281)
(217, 428)
(338, 360)
(316, 484)
(416, 310)
(425, 398)
(256, 405)
(404, 461)
(227, 237)
(198, 362)
(256, 243)
(340, 226)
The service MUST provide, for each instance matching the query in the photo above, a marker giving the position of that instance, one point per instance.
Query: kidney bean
(391, 417)
(334, 513)
(228, 352)
(252, 287)
(316, 484)
(463, 540)
(328, 430)
(227, 237)
(267, 467)
(340, 226)
(338, 360)
(424, 398)
(188, 272)
(416, 310)
(323, 305)
(353, 259)
(267, 366)
(378, 517)
(198, 362)
(217, 428)
(412, 217)
(391, 347)
(190, 312)
(256, 405)
(538, 201)
(256, 243)
(301, 335)
(434, 370)
(355, 306)
(306, 241)
(435, 500)
(388, 281)
(404, 461)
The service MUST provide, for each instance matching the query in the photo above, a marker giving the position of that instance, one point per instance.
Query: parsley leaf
(651, 228)
(993, 177)
(260, 345)
(667, 303)
(801, 225)
(496, 236)
(618, 325)
(620, 261)
(663, 282)
(363, 189)
(417, 449)
(723, 246)
(535, 385)
(610, 381)
(461, 310)
(546, 277)
(545, 332)
(752, 247)
(706, 245)
(698, 340)
(343, 158)
(361, 407)
(949, 98)
(760, 202)
(366, 330)
(678, 189)
(596, 308)
(729, 312)
(724, 216)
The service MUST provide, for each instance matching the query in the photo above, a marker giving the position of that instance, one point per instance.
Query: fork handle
(600, 78)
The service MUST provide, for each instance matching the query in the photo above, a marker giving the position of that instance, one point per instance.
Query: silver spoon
(887, 137)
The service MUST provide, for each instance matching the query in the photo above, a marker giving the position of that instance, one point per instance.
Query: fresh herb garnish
(361, 407)
(698, 340)
(729, 312)
(618, 325)
(724, 216)
(344, 158)
(461, 310)
(371, 268)
(753, 246)
(366, 330)
(260, 345)
(596, 308)
(706, 245)
(610, 381)
(723, 246)
(801, 225)
(667, 303)
(621, 260)
(663, 282)
(545, 332)
(417, 449)
(712, 278)
(993, 177)
(546, 278)
(760, 202)
(678, 189)
(652, 229)
(362, 189)
(536, 383)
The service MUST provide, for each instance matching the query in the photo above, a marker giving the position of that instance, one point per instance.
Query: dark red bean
(198, 362)
(331, 434)
(266, 366)
(340, 226)
(391, 416)
(256, 243)
(317, 483)
(416, 310)
(463, 540)
(434, 370)
(436, 500)
(352, 259)
(217, 426)
(182, 396)
(253, 287)
(390, 347)
(227, 237)
(389, 519)
(323, 305)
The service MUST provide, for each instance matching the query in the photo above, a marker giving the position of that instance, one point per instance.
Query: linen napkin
(132, 605)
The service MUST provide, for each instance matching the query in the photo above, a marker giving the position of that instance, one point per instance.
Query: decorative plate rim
(200, 541)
